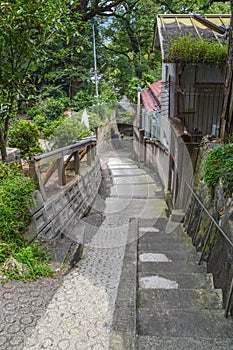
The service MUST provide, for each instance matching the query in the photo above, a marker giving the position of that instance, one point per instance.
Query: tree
(25, 28)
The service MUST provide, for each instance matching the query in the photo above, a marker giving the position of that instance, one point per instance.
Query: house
(189, 102)
(151, 102)
(195, 90)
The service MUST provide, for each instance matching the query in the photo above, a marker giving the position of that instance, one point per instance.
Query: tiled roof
(173, 26)
(151, 96)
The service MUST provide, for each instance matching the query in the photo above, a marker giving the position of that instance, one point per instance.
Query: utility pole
(95, 63)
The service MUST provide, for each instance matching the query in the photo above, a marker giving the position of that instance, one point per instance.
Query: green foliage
(26, 27)
(94, 121)
(15, 199)
(48, 114)
(46, 128)
(125, 116)
(94, 118)
(51, 91)
(30, 261)
(25, 136)
(219, 164)
(69, 131)
(188, 49)
(82, 99)
(135, 82)
(50, 108)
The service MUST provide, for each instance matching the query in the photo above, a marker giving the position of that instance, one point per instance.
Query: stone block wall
(218, 253)
(56, 217)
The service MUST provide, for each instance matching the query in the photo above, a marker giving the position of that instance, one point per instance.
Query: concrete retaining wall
(56, 217)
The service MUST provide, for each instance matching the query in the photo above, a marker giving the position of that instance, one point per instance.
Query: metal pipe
(210, 216)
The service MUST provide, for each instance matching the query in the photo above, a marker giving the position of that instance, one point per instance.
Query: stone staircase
(177, 305)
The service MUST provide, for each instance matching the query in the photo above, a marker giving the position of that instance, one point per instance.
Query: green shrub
(46, 128)
(219, 164)
(188, 49)
(70, 131)
(31, 261)
(25, 136)
(15, 199)
(65, 101)
(50, 108)
(83, 99)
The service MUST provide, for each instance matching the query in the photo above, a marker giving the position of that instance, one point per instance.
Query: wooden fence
(60, 160)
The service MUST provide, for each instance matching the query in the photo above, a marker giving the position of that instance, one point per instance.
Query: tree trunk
(226, 118)
(3, 147)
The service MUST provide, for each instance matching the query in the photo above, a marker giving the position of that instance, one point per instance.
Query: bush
(219, 164)
(50, 108)
(70, 131)
(46, 128)
(83, 99)
(16, 197)
(25, 136)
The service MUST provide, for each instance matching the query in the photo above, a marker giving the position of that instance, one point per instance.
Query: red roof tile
(151, 96)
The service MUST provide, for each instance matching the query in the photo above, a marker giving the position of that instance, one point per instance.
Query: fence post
(76, 162)
(89, 155)
(32, 170)
(41, 185)
(61, 171)
(92, 152)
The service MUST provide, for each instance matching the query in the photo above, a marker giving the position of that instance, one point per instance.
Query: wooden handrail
(56, 154)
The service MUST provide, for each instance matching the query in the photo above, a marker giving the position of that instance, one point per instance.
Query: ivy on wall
(219, 164)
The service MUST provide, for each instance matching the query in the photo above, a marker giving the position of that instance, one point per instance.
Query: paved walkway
(95, 306)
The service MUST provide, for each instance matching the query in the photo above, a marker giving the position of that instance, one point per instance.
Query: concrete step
(187, 258)
(180, 299)
(183, 280)
(166, 247)
(177, 215)
(184, 343)
(163, 225)
(181, 266)
(160, 238)
(184, 323)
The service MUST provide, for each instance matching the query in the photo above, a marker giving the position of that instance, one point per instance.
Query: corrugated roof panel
(199, 25)
(225, 21)
(168, 19)
(185, 21)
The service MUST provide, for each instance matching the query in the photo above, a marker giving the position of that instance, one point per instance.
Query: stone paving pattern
(22, 305)
(125, 293)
